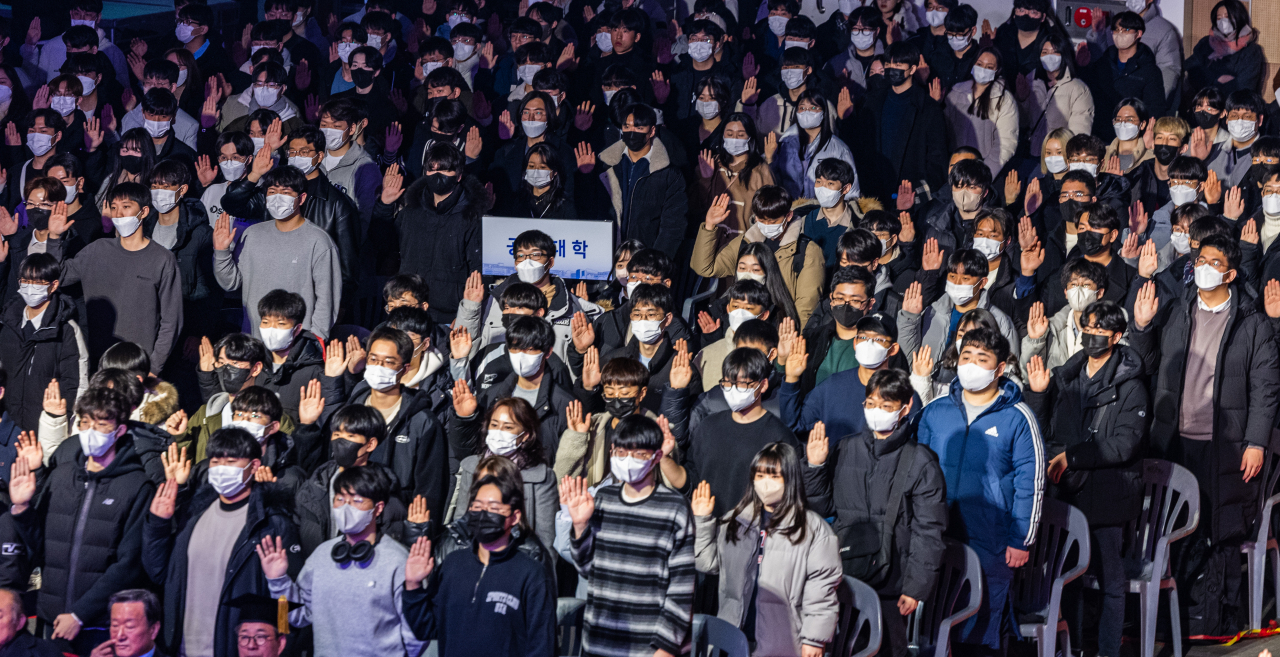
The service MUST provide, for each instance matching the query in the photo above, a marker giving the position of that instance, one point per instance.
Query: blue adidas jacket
(994, 468)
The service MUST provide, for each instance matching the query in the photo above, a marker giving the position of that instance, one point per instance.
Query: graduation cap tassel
(282, 615)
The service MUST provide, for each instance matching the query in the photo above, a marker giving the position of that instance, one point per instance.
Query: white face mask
(960, 294)
(373, 41)
(526, 73)
(39, 143)
(847, 6)
(1225, 27)
(280, 206)
(630, 470)
(334, 138)
(736, 147)
(1051, 63)
(701, 51)
(76, 21)
(1055, 163)
(1182, 194)
(707, 109)
(1242, 130)
(749, 276)
(792, 43)
(380, 378)
(792, 77)
(533, 129)
(827, 197)
(428, 67)
(303, 164)
(778, 25)
(1125, 131)
(1208, 278)
(349, 520)
(1087, 167)
(227, 480)
(1079, 297)
(232, 170)
(769, 491)
(182, 76)
(739, 398)
(298, 19)
(277, 339)
(525, 365)
(974, 377)
(604, 41)
(463, 51)
(881, 420)
(539, 178)
(737, 317)
(983, 75)
(184, 32)
(126, 226)
(1271, 204)
(95, 443)
(531, 271)
(870, 355)
(1136, 6)
(647, 331)
(620, 274)
(72, 192)
(1124, 41)
(156, 129)
(258, 143)
(164, 200)
(32, 294)
(958, 43)
(265, 97)
(631, 287)
(989, 248)
(771, 231)
(63, 105)
(502, 443)
(935, 18)
(809, 119)
(345, 50)
(862, 40)
(1182, 241)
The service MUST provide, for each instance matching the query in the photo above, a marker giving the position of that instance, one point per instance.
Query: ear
(155, 631)
(281, 639)
(302, 200)
(1184, 149)
(449, 62)
(272, 428)
(764, 315)
(1000, 369)
(764, 387)
(254, 465)
(182, 191)
(907, 406)
(639, 397)
(894, 349)
(146, 211)
(256, 369)
(372, 444)
(379, 508)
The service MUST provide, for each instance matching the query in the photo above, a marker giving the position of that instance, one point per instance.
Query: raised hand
(585, 156)
(668, 440)
(11, 137)
(750, 92)
(473, 291)
(922, 361)
(177, 467)
(264, 475)
(506, 127)
(1148, 259)
(54, 404)
(392, 184)
(1233, 206)
(583, 333)
(459, 342)
(935, 90)
(204, 171)
(906, 196)
(93, 133)
(1146, 305)
(913, 300)
(1212, 188)
(576, 498)
(567, 61)
(797, 360)
(1012, 186)
(718, 212)
(127, 99)
(1112, 166)
(41, 99)
(223, 233)
(1199, 146)
(312, 105)
(577, 421)
(703, 503)
(302, 75)
(681, 372)
(207, 359)
(59, 224)
(1037, 323)
(22, 486)
(1271, 298)
(310, 403)
(816, 450)
(1137, 218)
(661, 88)
(931, 259)
(1032, 259)
(582, 117)
(1249, 233)
(706, 323)
(356, 355)
(844, 103)
(473, 145)
(275, 562)
(1129, 249)
(1034, 197)
(419, 565)
(770, 146)
(1083, 56)
(591, 369)
(165, 502)
(335, 359)
(487, 57)
(418, 511)
(786, 338)
(749, 68)
(262, 163)
(1037, 375)
(464, 402)
(706, 164)
(394, 140)
(8, 222)
(29, 449)
(275, 135)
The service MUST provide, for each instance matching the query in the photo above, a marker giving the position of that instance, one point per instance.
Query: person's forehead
(385, 348)
(848, 289)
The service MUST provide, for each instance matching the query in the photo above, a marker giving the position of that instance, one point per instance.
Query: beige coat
(1140, 154)
(741, 189)
(995, 137)
(574, 445)
(1067, 104)
(805, 289)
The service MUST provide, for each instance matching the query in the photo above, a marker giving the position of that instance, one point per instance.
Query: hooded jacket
(805, 284)
(165, 551)
(658, 210)
(794, 582)
(485, 320)
(1140, 78)
(357, 176)
(53, 351)
(1111, 456)
(932, 327)
(87, 529)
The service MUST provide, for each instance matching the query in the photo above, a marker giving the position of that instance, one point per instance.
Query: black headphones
(344, 552)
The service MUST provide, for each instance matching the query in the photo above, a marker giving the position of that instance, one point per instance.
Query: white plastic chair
(859, 615)
(959, 582)
(1256, 551)
(1037, 588)
(569, 612)
(713, 637)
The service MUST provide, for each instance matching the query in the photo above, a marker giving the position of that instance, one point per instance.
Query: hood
(473, 201)
(1010, 394)
(658, 157)
(191, 215)
(305, 352)
(789, 236)
(264, 499)
(126, 461)
(1125, 364)
(61, 310)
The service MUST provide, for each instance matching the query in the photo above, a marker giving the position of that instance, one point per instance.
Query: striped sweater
(640, 563)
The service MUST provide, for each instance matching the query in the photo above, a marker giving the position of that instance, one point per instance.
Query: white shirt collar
(36, 321)
(1216, 309)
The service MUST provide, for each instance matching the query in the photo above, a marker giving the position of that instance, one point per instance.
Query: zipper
(76, 538)
(476, 590)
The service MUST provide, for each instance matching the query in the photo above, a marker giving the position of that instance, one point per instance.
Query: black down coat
(51, 352)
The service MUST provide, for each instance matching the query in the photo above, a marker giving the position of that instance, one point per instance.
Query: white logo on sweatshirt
(992, 432)
(504, 600)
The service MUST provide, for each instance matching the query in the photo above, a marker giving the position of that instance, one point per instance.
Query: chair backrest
(1059, 555)
(957, 595)
(859, 617)
(1170, 511)
(569, 612)
(713, 637)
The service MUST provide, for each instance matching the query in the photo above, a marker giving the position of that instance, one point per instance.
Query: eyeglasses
(536, 256)
(639, 454)
(883, 342)
(493, 507)
(1077, 196)
(253, 641)
(252, 415)
(266, 85)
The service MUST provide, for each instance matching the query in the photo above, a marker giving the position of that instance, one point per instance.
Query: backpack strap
(802, 250)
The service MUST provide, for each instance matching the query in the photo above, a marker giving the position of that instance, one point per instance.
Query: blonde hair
(1173, 124)
(1063, 136)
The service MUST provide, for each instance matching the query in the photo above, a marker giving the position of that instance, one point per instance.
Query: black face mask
(440, 183)
(344, 452)
(1089, 242)
(620, 407)
(1068, 210)
(486, 526)
(362, 77)
(1095, 346)
(38, 218)
(1026, 23)
(895, 76)
(131, 163)
(508, 319)
(846, 315)
(1165, 153)
(635, 141)
(231, 378)
(1205, 119)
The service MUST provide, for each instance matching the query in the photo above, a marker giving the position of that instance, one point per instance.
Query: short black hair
(642, 115)
(987, 340)
(624, 371)
(650, 262)
(1106, 315)
(658, 296)
(891, 385)
(751, 292)
(162, 68)
(903, 52)
(130, 191)
(442, 156)
(1083, 177)
(412, 319)
(170, 172)
(103, 403)
(1082, 268)
(638, 432)
(856, 275)
(126, 356)
(445, 76)
(233, 443)
(834, 168)
(1245, 99)
(123, 381)
(859, 245)
(361, 420)
(40, 267)
(1184, 167)
(257, 399)
(239, 141)
(80, 36)
(402, 284)
(1085, 144)
(771, 202)
(968, 173)
(285, 176)
(150, 603)
(1103, 216)
(961, 19)
(1128, 20)
(283, 303)
(241, 347)
(529, 332)
(402, 341)
(756, 330)
(535, 239)
(345, 110)
(522, 295)
(971, 261)
(1228, 247)
(746, 363)
(371, 482)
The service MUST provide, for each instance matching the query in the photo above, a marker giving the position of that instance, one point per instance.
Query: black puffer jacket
(440, 243)
(92, 520)
(304, 363)
(51, 352)
(164, 555)
(1109, 460)
(1140, 78)
(1245, 397)
(549, 406)
(201, 295)
(314, 511)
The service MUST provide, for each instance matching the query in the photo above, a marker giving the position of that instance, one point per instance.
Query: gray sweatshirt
(329, 593)
(132, 296)
(303, 261)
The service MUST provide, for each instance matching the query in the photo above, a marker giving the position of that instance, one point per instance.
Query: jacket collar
(789, 236)
(658, 158)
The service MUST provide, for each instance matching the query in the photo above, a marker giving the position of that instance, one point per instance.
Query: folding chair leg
(1149, 601)
(1175, 621)
(1256, 560)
